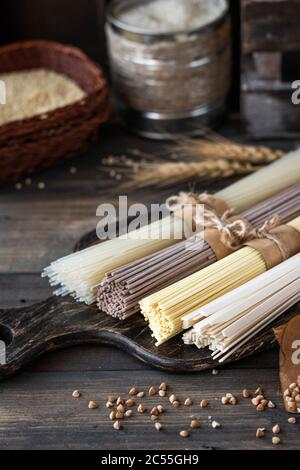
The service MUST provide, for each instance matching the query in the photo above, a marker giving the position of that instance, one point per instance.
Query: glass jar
(169, 82)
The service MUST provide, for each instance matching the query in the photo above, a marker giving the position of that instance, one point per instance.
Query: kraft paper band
(213, 237)
(288, 337)
(217, 205)
(289, 239)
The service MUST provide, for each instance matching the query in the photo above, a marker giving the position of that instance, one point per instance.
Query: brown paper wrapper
(217, 205)
(288, 337)
(212, 237)
(289, 239)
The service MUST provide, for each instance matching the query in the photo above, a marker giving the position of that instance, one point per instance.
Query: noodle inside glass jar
(170, 63)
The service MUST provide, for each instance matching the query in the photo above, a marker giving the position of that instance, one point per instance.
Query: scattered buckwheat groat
(117, 426)
(130, 403)
(142, 409)
(276, 429)
(260, 402)
(154, 411)
(163, 386)
(158, 427)
(195, 424)
(260, 433)
(260, 407)
(93, 405)
(172, 398)
(188, 402)
(204, 404)
(76, 394)
(259, 391)
(276, 440)
(229, 399)
(121, 409)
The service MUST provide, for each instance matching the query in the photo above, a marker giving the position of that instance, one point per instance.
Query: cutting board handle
(57, 323)
(27, 333)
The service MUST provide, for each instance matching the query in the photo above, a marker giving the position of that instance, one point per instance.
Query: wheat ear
(226, 150)
(168, 174)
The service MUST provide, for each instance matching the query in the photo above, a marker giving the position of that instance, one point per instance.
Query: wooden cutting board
(61, 322)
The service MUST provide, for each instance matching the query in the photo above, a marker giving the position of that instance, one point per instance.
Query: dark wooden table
(37, 410)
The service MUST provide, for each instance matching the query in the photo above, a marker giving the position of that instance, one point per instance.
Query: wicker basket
(36, 143)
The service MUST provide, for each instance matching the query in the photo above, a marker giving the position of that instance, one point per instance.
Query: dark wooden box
(270, 64)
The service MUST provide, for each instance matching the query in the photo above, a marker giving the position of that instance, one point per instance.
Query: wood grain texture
(270, 51)
(38, 412)
(267, 114)
(270, 25)
(57, 323)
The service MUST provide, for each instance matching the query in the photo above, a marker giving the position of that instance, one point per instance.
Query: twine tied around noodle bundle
(226, 232)
(214, 204)
(234, 231)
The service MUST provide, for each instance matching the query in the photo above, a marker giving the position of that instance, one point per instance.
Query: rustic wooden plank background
(271, 25)
(36, 407)
(270, 64)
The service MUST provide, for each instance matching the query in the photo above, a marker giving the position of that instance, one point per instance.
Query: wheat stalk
(168, 174)
(223, 149)
(211, 157)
